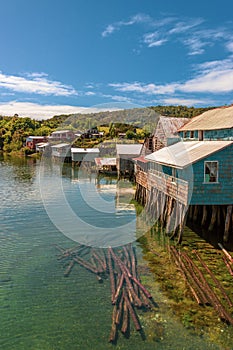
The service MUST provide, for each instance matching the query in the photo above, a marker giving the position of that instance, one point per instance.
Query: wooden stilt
(213, 218)
(227, 223)
(204, 215)
(195, 213)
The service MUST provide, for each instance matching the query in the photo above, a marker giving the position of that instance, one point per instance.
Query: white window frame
(217, 177)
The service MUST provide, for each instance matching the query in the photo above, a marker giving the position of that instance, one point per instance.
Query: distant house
(106, 165)
(32, 141)
(125, 155)
(78, 133)
(165, 133)
(43, 147)
(79, 155)
(92, 133)
(62, 135)
(61, 151)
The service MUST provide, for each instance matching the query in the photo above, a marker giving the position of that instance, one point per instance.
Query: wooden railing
(173, 187)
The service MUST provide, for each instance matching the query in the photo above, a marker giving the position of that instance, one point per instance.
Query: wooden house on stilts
(194, 177)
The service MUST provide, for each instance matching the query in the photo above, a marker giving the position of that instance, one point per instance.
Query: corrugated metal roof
(183, 154)
(60, 131)
(130, 149)
(60, 145)
(105, 161)
(141, 159)
(170, 125)
(36, 137)
(214, 119)
(84, 150)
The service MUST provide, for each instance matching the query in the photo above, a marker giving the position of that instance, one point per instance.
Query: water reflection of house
(125, 155)
(106, 165)
(124, 196)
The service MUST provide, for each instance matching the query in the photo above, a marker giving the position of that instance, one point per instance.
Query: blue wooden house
(197, 172)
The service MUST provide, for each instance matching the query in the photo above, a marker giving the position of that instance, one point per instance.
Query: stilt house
(198, 171)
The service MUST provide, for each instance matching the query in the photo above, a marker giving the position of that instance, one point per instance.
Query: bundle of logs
(127, 292)
(204, 292)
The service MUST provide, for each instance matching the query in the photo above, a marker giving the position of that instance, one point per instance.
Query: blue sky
(81, 55)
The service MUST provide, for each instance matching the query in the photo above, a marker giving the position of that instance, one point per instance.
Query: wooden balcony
(173, 187)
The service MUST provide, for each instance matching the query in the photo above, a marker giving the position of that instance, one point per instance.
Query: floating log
(228, 265)
(132, 312)
(133, 265)
(101, 262)
(190, 278)
(85, 264)
(218, 284)
(126, 274)
(125, 322)
(119, 312)
(226, 252)
(118, 290)
(111, 274)
(215, 302)
(113, 333)
(69, 268)
(124, 282)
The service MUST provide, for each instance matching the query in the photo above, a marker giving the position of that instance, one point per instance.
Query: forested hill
(14, 130)
(139, 116)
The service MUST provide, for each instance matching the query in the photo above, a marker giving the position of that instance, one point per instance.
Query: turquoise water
(40, 309)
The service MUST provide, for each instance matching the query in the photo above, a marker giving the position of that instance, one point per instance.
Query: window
(211, 172)
(191, 134)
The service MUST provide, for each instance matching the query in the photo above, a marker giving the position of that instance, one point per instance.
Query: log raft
(127, 292)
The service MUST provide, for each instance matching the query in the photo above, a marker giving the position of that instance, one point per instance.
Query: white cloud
(37, 111)
(150, 89)
(191, 32)
(109, 30)
(153, 39)
(229, 46)
(35, 84)
(211, 77)
(196, 46)
(216, 81)
(182, 27)
(90, 93)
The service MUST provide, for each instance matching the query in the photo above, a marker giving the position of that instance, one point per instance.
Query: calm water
(39, 308)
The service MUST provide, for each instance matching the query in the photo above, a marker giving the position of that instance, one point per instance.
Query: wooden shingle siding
(214, 193)
(142, 178)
